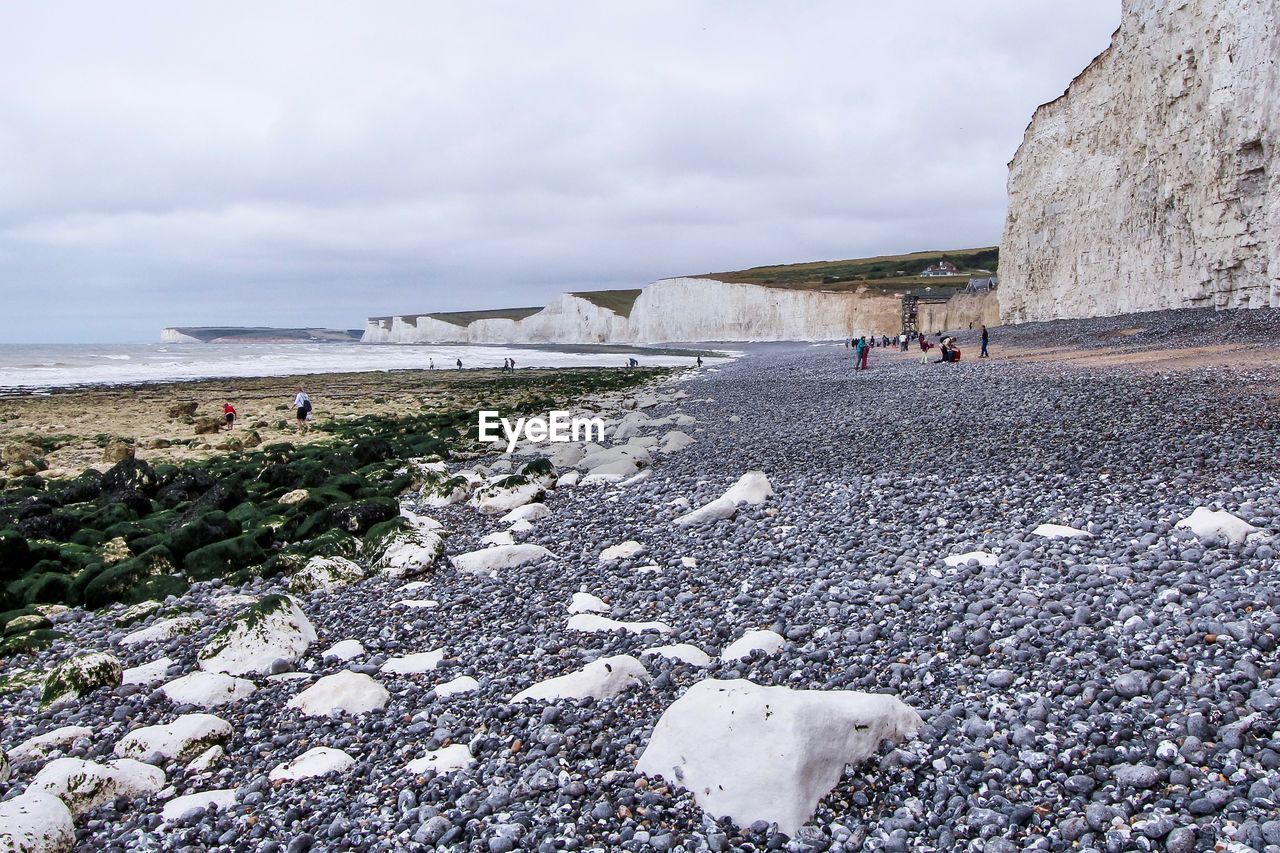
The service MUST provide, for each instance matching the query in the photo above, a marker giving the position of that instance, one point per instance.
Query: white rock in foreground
(498, 537)
(497, 498)
(79, 676)
(769, 642)
(85, 785)
(675, 441)
(768, 753)
(488, 561)
(344, 650)
(181, 740)
(41, 745)
(147, 673)
(318, 761)
(36, 822)
(192, 804)
(207, 689)
(528, 512)
(983, 558)
(600, 679)
(413, 664)
(457, 686)
(714, 511)
(447, 759)
(272, 629)
(165, 629)
(1059, 531)
(684, 652)
(585, 602)
(595, 624)
(325, 574)
(344, 692)
(409, 553)
(752, 488)
(1210, 525)
(621, 551)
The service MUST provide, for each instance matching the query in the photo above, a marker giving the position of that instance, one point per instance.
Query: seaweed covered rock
(440, 489)
(224, 558)
(325, 573)
(15, 554)
(185, 409)
(129, 475)
(148, 575)
(273, 629)
(507, 493)
(84, 785)
(401, 550)
(79, 676)
(185, 484)
(356, 517)
(205, 529)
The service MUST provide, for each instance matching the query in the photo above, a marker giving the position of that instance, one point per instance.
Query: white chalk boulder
(344, 692)
(36, 822)
(585, 602)
(506, 494)
(165, 629)
(181, 740)
(718, 509)
(601, 679)
(405, 553)
(413, 664)
(592, 623)
(447, 759)
(344, 650)
(683, 652)
(982, 558)
(488, 561)
(1059, 531)
(190, 805)
(768, 642)
(621, 551)
(752, 488)
(270, 630)
(84, 785)
(326, 574)
(41, 745)
(1214, 526)
(456, 687)
(207, 689)
(147, 673)
(768, 753)
(318, 761)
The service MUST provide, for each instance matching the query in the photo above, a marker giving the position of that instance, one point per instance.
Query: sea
(36, 368)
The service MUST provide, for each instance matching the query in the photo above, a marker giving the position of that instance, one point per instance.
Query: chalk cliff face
(671, 310)
(1154, 181)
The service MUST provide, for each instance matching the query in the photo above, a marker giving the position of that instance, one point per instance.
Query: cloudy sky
(314, 163)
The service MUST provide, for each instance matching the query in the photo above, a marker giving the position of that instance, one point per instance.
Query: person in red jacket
(229, 413)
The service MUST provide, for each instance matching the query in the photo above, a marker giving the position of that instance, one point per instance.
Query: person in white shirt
(302, 403)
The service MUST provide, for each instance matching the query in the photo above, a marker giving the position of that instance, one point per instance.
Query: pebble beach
(1062, 559)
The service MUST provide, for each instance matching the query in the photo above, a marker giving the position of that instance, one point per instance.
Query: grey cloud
(311, 163)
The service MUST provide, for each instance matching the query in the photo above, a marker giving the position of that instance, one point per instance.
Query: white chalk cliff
(670, 310)
(1154, 181)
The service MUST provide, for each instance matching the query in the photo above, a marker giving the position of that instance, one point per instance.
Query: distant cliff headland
(823, 300)
(255, 335)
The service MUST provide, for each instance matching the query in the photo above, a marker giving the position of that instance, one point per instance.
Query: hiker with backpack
(302, 403)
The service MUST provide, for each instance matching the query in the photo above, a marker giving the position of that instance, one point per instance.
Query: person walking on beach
(229, 414)
(459, 364)
(302, 403)
(859, 346)
(866, 350)
(985, 338)
(433, 364)
(699, 361)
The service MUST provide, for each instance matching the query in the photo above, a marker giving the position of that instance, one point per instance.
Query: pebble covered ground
(1116, 691)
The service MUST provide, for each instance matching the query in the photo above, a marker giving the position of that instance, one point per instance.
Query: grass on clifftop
(619, 302)
(894, 273)
(465, 318)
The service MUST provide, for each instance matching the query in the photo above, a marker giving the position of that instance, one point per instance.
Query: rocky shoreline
(1028, 554)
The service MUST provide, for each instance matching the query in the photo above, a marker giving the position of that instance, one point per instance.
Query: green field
(464, 318)
(895, 273)
(619, 302)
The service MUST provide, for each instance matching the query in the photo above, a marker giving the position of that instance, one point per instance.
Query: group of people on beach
(508, 365)
(947, 344)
